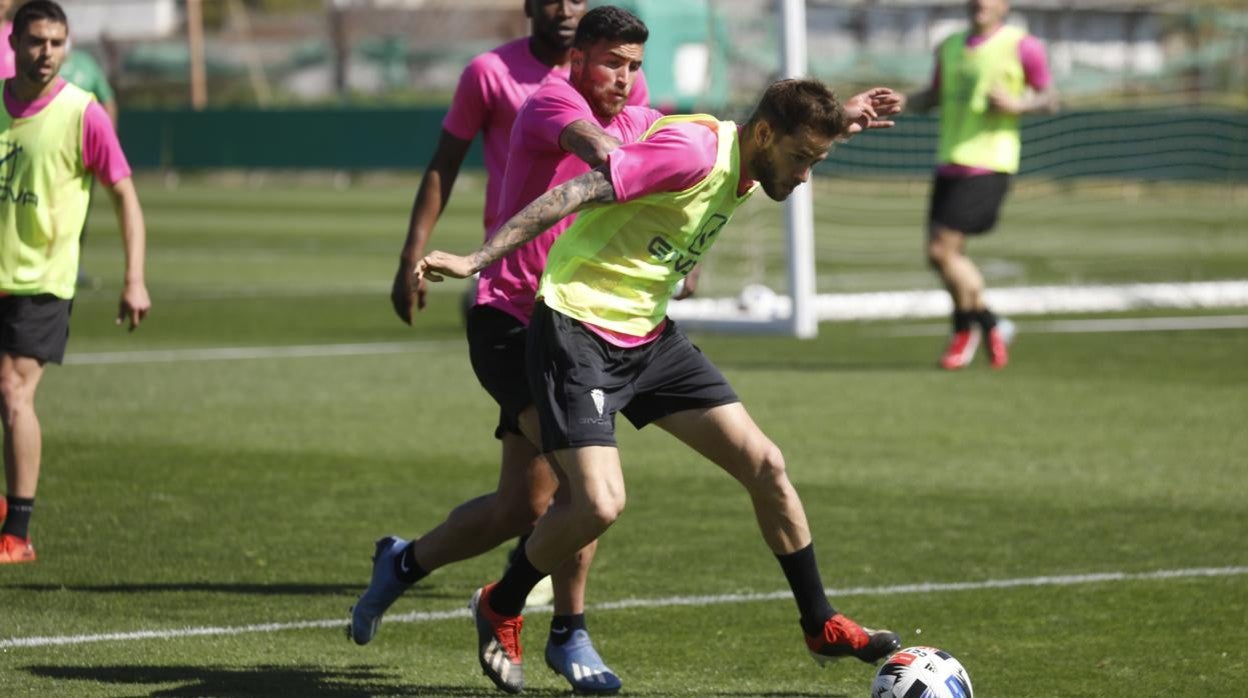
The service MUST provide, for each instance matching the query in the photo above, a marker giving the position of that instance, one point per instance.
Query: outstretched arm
(588, 142)
(408, 291)
(871, 109)
(576, 194)
(1002, 101)
(135, 303)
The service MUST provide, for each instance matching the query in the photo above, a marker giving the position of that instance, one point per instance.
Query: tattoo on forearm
(593, 187)
(588, 142)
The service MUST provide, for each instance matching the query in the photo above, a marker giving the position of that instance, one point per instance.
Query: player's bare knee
(938, 254)
(15, 396)
(601, 512)
(770, 472)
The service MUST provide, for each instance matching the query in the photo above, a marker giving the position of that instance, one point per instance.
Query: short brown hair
(36, 10)
(790, 104)
(610, 23)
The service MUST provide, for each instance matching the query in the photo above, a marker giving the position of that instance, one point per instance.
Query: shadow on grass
(347, 682)
(257, 589)
(187, 681)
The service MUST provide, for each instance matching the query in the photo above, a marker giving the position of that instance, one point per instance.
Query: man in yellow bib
(600, 342)
(985, 78)
(54, 140)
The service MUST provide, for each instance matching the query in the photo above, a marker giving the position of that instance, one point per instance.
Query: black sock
(406, 568)
(507, 598)
(962, 320)
(18, 521)
(511, 554)
(803, 575)
(561, 627)
(986, 320)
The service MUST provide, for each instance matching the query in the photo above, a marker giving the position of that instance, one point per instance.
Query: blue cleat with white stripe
(383, 590)
(578, 662)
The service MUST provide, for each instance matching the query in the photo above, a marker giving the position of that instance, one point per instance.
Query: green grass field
(191, 490)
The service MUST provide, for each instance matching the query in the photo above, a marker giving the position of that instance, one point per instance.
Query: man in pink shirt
(7, 67)
(599, 342)
(490, 92)
(999, 73)
(568, 125)
(43, 202)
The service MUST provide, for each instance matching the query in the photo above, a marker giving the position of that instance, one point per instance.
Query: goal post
(793, 314)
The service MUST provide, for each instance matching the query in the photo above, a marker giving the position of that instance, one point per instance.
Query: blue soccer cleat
(578, 662)
(383, 590)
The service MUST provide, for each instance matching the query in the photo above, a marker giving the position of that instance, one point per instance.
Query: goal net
(1135, 195)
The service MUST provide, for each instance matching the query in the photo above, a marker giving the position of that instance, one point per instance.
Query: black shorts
(35, 326)
(496, 348)
(580, 380)
(969, 205)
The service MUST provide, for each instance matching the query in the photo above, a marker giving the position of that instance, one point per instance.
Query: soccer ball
(921, 672)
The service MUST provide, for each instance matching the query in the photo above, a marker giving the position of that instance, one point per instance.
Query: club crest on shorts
(600, 400)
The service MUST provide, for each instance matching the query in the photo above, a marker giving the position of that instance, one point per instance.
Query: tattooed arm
(593, 187)
(588, 142)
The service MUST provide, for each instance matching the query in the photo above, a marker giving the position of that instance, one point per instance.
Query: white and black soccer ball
(921, 672)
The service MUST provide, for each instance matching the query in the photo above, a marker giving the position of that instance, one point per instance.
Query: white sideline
(269, 352)
(758, 304)
(1156, 324)
(710, 600)
(1141, 324)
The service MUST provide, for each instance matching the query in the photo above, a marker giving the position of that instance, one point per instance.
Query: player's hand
(1001, 101)
(439, 264)
(135, 304)
(407, 292)
(688, 285)
(871, 109)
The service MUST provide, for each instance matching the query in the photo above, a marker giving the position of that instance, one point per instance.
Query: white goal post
(793, 314)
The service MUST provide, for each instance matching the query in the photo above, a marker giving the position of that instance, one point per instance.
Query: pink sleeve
(1035, 63)
(101, 152)
(549, 112)
(640, 96)
(673, 159)
(469, 112)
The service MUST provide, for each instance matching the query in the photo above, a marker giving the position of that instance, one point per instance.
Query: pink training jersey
(8, 63)
(101, 152)
(536, 164)
(490, 92)
(1035, 73)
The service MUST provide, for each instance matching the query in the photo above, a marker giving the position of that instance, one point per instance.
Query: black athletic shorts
(968, 204)
(35, 326)
(496, 349)
(580, 380)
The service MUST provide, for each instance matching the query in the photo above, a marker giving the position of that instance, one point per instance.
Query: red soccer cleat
(961, 350)
(498, 643)
(999, 339)
(843, 637)
(14, 550)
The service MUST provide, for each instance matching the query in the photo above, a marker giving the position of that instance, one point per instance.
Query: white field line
(709, 600)
(1157, 324)
(1149, 324)
(760, 305)
(269, 352)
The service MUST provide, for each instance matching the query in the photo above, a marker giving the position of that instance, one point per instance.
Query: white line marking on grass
(1144, 324)
(1028, 300)
(272, 352)
(709, 600)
